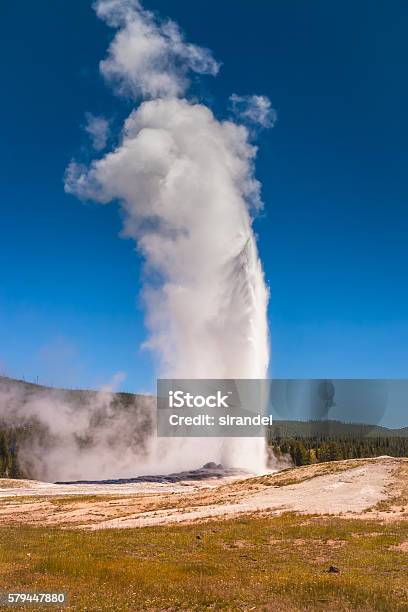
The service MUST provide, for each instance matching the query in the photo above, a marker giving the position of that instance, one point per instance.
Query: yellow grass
(277, 564)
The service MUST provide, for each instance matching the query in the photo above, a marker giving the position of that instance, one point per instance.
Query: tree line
(304, 449)
(9, 467)
(317, 448)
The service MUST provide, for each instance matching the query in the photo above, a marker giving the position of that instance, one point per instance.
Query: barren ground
(366, 488)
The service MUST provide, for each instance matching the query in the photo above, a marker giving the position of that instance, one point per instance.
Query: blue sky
(332, 235)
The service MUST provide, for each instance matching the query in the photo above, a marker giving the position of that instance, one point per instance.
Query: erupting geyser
(185, 181)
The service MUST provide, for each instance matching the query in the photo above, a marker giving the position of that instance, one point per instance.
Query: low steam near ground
(69, 435)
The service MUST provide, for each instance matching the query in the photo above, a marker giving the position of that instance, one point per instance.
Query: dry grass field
(267, 558)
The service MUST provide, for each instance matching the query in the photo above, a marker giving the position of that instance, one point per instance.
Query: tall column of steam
(186, 183)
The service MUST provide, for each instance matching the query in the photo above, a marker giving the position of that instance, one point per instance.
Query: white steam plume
(185, 181)
(254, 109)
(148, 57)
(72, 435)
(98, 130)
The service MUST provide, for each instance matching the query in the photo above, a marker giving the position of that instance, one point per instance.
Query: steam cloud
(98, 131)
(254, 109)
(69, 435)
(185, 181)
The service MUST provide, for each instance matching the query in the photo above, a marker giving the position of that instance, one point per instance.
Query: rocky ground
(366, 488)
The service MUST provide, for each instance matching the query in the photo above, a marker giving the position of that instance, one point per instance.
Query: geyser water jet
(185, 181)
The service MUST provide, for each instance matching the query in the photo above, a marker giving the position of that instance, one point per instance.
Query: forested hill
(28, 390)
(317, 441)
(306, 429)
